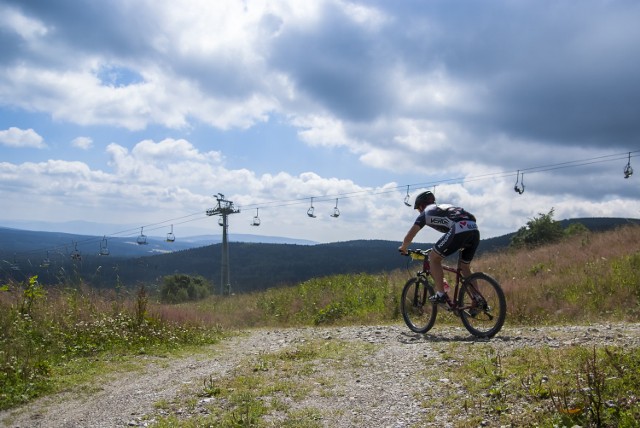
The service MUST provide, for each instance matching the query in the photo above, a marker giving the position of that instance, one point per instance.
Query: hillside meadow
(54, 337)
(585, 278)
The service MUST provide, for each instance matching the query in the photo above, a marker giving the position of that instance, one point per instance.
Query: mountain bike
(477, 299)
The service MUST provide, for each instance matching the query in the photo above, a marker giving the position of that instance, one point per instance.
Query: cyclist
(460, 233)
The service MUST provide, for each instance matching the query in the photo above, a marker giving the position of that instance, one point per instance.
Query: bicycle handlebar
(418, 254)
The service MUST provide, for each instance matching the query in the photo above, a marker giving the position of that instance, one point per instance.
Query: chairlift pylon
(407, 198)
(310, 211)
(256, 219)
(142, 239)
(170, 236)
(104, 249)
(336, 211)
(519, 186)
(628, 171)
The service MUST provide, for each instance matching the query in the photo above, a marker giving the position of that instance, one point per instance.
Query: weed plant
(573, 386)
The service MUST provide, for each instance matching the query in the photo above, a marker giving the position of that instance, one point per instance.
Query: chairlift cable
(368, 191)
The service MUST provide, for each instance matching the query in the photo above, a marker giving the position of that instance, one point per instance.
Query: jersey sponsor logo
(466, 225)
(443, 221)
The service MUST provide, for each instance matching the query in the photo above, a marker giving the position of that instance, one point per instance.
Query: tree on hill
(576, 229)
(538, 231)
(180, 288)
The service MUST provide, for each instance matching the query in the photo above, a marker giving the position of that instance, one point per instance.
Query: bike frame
(426, 271)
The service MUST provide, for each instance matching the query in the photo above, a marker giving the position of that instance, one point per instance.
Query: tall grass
(40, 332)
(340, 299)
(586, 278)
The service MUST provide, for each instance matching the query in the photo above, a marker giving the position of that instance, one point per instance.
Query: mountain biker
(460, 233)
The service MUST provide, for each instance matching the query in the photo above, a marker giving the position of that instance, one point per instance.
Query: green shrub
(538, 231)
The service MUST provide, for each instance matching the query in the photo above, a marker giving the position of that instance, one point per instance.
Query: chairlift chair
(519, 186)
(142, 239)
(406, 198)
(45, 262)
(220, 221)
(336, 211)
(170, 236)
(310, 211)
(256, 219)
(75, 254)
(628, 171)
(14, 265)
(104, 249)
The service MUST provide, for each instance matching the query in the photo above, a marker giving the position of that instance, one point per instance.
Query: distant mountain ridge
(17, 241)
(253, 266)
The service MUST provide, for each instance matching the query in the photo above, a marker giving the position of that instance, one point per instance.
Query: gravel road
(380, 392)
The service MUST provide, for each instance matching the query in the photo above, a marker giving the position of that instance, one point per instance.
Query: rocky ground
(387, 388)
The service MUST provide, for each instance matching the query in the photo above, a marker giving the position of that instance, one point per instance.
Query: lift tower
(224, 209)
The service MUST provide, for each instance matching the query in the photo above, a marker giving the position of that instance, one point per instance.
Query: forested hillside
(253, 266)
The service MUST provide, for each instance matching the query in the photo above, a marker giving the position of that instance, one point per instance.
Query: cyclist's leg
(437, 273)
(443, 248)
(465, 268)
(468, 251)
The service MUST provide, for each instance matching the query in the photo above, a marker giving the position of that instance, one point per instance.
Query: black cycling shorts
(451, 242)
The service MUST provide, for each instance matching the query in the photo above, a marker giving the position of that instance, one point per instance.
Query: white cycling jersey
(445, 218)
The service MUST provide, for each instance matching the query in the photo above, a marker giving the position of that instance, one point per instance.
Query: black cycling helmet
(424, 198)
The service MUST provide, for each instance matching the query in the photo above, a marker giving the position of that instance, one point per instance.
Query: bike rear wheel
(482, 305)
(418, 312)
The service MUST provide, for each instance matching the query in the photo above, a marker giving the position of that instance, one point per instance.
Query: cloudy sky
(134, 113)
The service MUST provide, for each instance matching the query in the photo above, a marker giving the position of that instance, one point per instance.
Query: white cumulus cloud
(84, 143)
(16, 137)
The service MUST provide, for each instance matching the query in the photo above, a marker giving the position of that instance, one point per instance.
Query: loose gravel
(382, 391)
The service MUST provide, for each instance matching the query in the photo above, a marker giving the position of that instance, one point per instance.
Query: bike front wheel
(418, 312)
(482, 305)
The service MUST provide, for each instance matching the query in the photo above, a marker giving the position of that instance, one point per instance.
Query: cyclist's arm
(409, 238)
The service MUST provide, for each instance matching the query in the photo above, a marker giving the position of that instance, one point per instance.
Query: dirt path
(380, 392)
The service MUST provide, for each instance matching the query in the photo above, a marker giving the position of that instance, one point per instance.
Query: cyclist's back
(445, 217)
